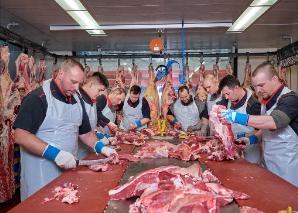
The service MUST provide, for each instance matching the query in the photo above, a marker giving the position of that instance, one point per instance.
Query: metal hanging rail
(15, 39)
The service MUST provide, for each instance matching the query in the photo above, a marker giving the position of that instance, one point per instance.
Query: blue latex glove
(240, 135)
(103, 138)
(51, 152)
(175, 121)
(253, 139)
(235, 117)
(138, 123)
(98, 147)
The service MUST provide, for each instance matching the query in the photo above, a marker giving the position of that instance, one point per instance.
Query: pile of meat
(224, 132)
(164, 149)
(68, 193)
(130, 137)
(175, 189)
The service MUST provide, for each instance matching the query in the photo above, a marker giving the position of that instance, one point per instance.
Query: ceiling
(35, 17)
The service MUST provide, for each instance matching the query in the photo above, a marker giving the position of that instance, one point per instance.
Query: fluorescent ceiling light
(79, 13)
(263, 3)
(84, 19)
(95, 31)
(256, 9)
(70, 4)
(145, 26)
(250, 15)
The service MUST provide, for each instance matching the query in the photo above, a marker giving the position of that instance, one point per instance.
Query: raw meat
(99, 167)
(164, 149)
(174, 189)
(131, 137)
(10, 102)
(168, 96)
(66, 194)
(151, 96)
(224, 132)
(247, 78)
(120, 77)
(149, 132)
(134, 75)
(128, 157)
(41, 71)
(247, 209)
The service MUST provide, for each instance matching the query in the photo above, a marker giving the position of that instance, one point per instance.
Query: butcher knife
(94, 162)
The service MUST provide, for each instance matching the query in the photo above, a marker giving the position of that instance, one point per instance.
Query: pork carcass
(229, 69)
(247, 78)
(120, 77)
(134, 75)
(9, 109)
(216, 71)
(201, 93)
(224, 131)
(41, 71)
(151, 96)
(282, 73)
(168, 96)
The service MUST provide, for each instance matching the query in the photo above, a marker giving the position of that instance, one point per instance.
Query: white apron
(84, 150)
(60, 128)
(281, 148)
(252, 152)
(131, 114)
(107, 112)
(186, 115)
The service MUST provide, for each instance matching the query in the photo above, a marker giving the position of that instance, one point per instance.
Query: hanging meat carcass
(216, 71)
(152, 97)
(247, 78)
(22, 67)
(10, 104)
(120, 77)
(168, 96)
(229, 69)
(201, 93)
(188, 80)
(282, 74)
(134, 75)
(41, 71)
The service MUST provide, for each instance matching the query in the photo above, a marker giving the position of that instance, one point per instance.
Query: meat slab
(175, 189)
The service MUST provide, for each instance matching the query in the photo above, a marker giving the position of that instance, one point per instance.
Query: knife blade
(94, 162)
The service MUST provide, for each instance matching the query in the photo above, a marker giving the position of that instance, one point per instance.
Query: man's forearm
(89, 139)
(261, 122)
(30, 142)
(145, 121)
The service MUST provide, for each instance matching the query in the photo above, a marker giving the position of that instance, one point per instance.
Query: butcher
(187, 113)
(94, 86)
(136, 110)
(211, 85)
(106, 109)
(48, 125)
(278, 123)
(242, 100)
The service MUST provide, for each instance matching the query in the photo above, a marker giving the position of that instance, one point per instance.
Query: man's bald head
(210, 84)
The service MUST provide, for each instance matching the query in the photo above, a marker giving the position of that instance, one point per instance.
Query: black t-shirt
(288, 104)
(34, 108)
(101, 102)
(145, 106)
(253, 105)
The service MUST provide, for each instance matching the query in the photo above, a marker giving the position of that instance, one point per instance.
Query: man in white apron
(106, 109)
(136, 110)
(187, 113)
(214, 96)
(278, 123)
(94, 86)
(242, 101)
(47, 127)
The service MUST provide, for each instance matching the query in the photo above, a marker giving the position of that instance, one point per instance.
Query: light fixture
(146, 26)
(256, 9)
(81, 15)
